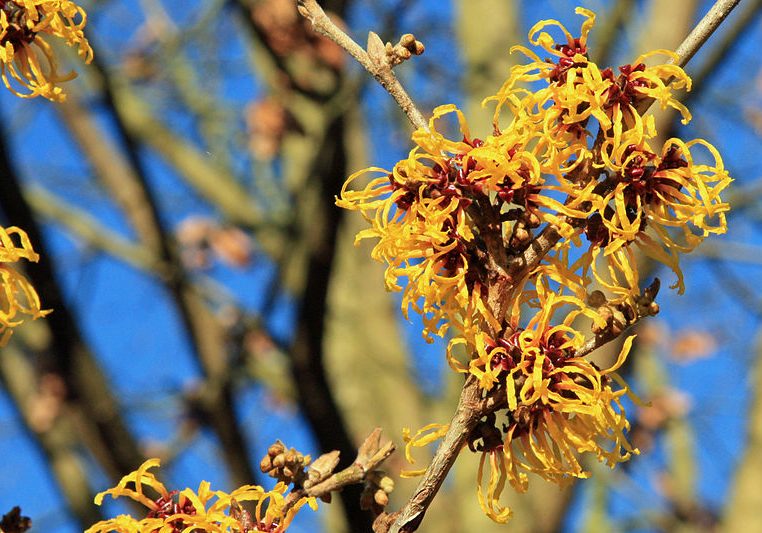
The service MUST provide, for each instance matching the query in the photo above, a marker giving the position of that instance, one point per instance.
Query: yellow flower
(200, 510)
(575, 86)
(663, 202)
(29, 66)
(456, 218)
(419, 213)
(666, 204)
(17, 296)
(559, 405)
(626, 92)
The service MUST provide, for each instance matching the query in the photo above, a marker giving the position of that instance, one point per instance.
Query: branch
(465, 420)
(369, 458)
(472, 406)
(619, 322)
(375, 61)
(205, 333)
(320, 480)
(704, 29)
(94, 234)
(716, 56)
(62, 351)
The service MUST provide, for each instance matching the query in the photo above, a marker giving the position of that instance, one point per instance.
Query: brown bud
(606, 314)
(407, 40)
(596, 299)
(381, 498)
(532, 220)
(322, 468)
(303, 11)
(520, 237)
(386, 483)
(618, 323)
(376, 49)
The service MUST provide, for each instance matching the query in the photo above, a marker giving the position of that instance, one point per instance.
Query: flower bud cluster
(285, 465)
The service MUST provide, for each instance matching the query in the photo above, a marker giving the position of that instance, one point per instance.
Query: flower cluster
(200, 510)
(506, 243)
(559, 404)
(17, 296)
(27, 61)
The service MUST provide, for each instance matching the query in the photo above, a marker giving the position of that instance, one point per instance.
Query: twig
(704, 29)
(375, 63)
(713, 58)
(695, 39)
(92, 233)
(466, 417)
(353, 474)
(369, 457)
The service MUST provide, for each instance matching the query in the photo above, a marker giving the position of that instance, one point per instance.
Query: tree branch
(704, 29)
(372, 60)
(67, 356)
(467, 415)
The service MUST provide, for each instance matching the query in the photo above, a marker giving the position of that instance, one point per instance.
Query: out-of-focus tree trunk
(743, 510)
(88, 412)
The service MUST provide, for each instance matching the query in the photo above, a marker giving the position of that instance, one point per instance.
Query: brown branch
(467, 415)
(312, 247)
(374, 60)
(369, 458)
(714, 58)
(91, 232)
(204, 332)
(57, 431)
(307, 352)
(695, 39)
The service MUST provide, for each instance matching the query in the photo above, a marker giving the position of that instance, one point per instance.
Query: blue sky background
(136, 333)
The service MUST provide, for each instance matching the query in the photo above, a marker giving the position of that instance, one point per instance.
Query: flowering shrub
(519, 246)
(506, 242)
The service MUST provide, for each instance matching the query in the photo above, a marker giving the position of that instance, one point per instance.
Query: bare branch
(375, 60)
(704, 29)
(353, 474)
(466, 417)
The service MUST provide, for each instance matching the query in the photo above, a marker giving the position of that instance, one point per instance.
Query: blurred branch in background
(742, 510)
(64, 366)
